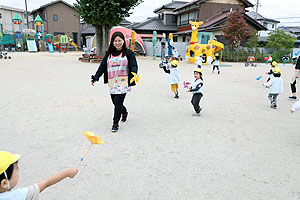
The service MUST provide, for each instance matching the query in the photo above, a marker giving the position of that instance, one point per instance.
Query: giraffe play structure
(206, 46)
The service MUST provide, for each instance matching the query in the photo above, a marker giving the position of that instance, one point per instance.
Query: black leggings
(293, 86)
(118, 100)
(216, 66)
(196, 101)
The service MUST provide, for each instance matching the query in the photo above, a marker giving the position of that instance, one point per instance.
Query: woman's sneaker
(293, 97)
(115, 128)
(124, 117)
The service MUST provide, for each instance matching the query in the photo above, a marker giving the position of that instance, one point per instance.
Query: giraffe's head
(195, 25)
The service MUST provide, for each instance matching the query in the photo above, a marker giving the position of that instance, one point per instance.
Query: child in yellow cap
(174, 77)
(275, 86)
(9, 178)
(270, 73)
(216, 63)
(197, 89)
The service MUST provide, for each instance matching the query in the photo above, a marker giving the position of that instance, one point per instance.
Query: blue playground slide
(50, 47)
(31, 45)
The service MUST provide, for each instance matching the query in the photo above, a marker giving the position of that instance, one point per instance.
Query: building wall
(67, 22)
(271, 26)
(210, 9)
(6, 19)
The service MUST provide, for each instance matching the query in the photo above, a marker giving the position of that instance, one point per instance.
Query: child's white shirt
(275, 85)
(296, 106)
(199, 61)
(174, 76)
(216, 62)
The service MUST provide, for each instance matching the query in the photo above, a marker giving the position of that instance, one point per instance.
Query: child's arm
(213, 61)
(196, 88)
(296, 107)
(166, 70)
(268, 84)
(57, 178)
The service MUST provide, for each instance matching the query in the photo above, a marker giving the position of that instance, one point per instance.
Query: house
(6, 16)
(293, 31)
(59, 18)
(165, 22)
(214, 14)
(270, 24)
(88, 30)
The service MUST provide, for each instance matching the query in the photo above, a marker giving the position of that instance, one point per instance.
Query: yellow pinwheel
(135, 78)
(94, 139)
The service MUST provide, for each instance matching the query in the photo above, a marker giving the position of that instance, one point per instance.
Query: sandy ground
(239, 148)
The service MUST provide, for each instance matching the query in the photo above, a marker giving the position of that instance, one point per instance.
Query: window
(193, 16)
(55, 17)
(265, 24)
(0, 16)
(162, 16)
(183, 38)
(184, 19)
(273, 25)
(174, 18)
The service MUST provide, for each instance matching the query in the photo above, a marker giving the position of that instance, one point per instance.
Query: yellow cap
(276, 70)
(6, 159)
(174, 63)
(198, 70)
(274, 63)
(216, 54)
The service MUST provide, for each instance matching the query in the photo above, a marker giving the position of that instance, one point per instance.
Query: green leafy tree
(280, 44)
(103, 15)
(253, 41)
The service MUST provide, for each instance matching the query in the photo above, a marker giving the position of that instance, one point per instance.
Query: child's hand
(72, 172)
(188, 90)
(291, 111)
(266, 72)
(93, 83)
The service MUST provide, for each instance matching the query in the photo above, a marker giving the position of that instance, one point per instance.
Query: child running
(197, 89)
(275, 86)
(174, 77)
(216, 63)
(270, 73)
(9, 178)
(199, 61)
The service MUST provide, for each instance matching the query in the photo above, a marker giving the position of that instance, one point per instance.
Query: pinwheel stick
(84, 155)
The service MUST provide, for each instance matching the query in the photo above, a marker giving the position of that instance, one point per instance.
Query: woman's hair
(277, 75)
(200, 74)
(112, 48)
(9, 172)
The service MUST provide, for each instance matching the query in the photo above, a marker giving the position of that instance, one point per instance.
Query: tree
(280, 44)
(253, 41)
(235, 29)
(103, 15)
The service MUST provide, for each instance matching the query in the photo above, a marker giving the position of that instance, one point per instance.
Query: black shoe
(293, 97)
(176, 96)
(218, 72)
(124, 117)
(115, 128)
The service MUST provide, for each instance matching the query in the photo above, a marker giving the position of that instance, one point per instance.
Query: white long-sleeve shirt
(296, 106)
(275, 85)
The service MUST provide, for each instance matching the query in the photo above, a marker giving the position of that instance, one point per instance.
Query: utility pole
(257, 2)
(26, 14)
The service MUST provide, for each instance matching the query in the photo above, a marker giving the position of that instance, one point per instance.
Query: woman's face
(118, 43)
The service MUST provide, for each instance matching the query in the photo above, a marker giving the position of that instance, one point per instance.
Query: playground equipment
(170, 45)
(285, 59)
(207, 46)
(29, 39)
(18, 34)
(40, 35)
(154, 39)
(49, 42)
(59, 40)
(268, 59)
(132, 41)
(163, 46)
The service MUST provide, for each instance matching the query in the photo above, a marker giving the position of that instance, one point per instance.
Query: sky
(287, 12)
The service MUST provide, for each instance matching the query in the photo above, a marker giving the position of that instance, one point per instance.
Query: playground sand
(238, 149)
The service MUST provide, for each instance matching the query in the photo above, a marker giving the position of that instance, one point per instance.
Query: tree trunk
(102, 34)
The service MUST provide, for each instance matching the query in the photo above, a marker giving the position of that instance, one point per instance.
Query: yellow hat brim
(6, 159)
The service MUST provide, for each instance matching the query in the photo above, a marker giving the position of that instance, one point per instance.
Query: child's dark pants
(196, 101)
(118, 100)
